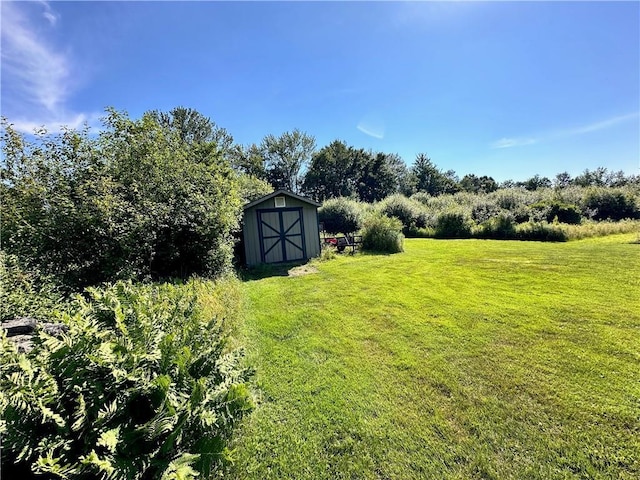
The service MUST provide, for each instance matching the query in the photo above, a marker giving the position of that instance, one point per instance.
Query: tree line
(290, 161)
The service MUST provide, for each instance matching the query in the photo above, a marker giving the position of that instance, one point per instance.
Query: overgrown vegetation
(25, 293)
(142, 200)
(146, 382)
(546, 214)
(341, 215)
(143, 385)
(515, 213)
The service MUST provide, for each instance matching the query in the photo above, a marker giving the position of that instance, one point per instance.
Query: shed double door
(281, 235)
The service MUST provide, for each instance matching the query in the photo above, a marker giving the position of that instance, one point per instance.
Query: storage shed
(280, 227)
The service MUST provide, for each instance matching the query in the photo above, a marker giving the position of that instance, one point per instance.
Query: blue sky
(507, 89)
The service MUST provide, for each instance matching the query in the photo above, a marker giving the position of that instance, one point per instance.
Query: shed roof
(281, 192)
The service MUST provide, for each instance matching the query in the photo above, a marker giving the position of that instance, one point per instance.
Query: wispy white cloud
(594, 127)
(513, 142)
(371, 133)
(39, 73)
(569, 132)
(372, 124)
(38, 78)
(56, 125)
(51, 16)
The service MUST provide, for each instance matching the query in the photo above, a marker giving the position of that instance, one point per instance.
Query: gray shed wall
(252, 237)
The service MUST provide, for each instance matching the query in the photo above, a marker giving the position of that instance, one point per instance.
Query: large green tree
(286, 157)
(429, 179)
(378, 176)
(193, 128)
(333, 172)
(249, 161)
(339, 170)
(474, 184)
(535, 182)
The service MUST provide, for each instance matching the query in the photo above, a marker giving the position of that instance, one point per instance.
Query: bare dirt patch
(302, 270)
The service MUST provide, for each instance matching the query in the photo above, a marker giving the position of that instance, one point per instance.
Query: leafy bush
(484, 209)
(141, 386)
(612, 204)
(382, 234)
(422, 197)
(499, 227)
(341, 215)
(453, 225)
(540, 231)
(139, 201)
(410, 212)
(251, 188)
(555, 210)
(513, 199)
(327, 252)
(24, 293)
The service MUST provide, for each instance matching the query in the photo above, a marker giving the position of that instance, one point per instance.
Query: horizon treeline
(340, 170)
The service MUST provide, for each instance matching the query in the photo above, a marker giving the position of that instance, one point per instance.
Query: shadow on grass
(248, 274)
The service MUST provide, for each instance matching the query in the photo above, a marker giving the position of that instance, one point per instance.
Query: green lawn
(456, 359)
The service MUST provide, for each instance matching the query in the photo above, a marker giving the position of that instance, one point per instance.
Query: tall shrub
(141, 386)
(453, 224)
(410, 212)
(341, 215)
(382, 234)
(501, 226)
(612, 204)
(137, 201)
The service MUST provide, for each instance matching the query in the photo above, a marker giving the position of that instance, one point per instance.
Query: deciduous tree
(286, 157)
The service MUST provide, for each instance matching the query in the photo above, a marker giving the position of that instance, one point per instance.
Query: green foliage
(453, 224)
(601, 177)
(484, 209)
(536, 182)
(382, 234)
(249, 161)
(193, 128)
(339, 170)
(143, 385)
(252, 188)
(513, 199)
(334, 172)
(327, 252)
(24, 293)
(558, 211)
(501, 226)
(410, 212)
(286, 156)
(137, 201)
(612, 204)
(430, 179)
(541, 231)
(472, 183)
(379, 176)
(589, 229)
(341, 215)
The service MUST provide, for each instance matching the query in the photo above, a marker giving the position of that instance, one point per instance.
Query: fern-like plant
(141, 386)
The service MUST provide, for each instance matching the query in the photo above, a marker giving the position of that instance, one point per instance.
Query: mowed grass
(455, 359)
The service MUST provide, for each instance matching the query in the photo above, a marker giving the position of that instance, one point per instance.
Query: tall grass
(599, 229)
